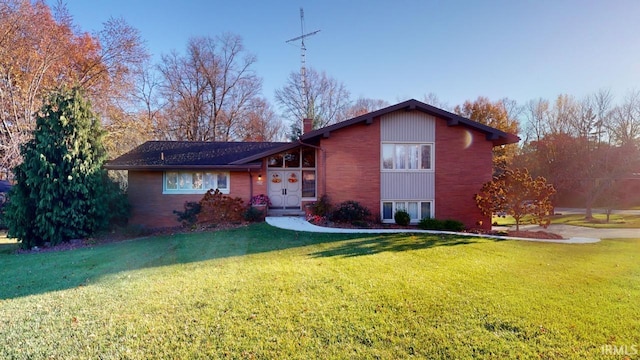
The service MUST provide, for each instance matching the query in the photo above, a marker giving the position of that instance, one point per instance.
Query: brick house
(409, 156)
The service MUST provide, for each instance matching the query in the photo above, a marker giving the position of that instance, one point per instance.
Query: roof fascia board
(171, 167)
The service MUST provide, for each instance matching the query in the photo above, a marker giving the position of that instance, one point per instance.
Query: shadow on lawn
(394, 243)
(42, 272)
(37, 273)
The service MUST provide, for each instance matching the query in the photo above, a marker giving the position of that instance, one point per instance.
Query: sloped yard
(259, 292)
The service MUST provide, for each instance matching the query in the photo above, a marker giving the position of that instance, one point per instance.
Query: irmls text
(619, 349)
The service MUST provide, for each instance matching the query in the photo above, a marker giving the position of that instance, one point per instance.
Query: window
(195, 182)
(308, 157)
(417, 209)
(304, 157)
(292, 159)
(406, 156)
(308, 183)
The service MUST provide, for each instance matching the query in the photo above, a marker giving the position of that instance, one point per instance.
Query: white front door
(285, 191)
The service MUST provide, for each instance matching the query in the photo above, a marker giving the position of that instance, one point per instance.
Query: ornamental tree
(61, 191)
(516, 193)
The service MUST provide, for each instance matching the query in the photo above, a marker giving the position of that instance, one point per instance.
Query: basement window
(417, 210)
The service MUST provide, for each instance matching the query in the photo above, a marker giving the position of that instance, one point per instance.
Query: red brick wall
(151, 208)
(352, 157)
(462, 164)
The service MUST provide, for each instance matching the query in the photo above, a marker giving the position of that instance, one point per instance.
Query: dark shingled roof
(191, 154)
(497, 137)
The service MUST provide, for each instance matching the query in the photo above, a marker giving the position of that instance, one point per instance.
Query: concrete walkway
(300, 224)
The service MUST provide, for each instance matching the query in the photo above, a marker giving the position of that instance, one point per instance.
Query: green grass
(616, 221)
(260, 292)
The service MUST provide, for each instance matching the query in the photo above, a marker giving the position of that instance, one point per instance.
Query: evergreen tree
(62, 192)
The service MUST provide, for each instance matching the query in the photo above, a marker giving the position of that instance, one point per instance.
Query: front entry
(285, 190)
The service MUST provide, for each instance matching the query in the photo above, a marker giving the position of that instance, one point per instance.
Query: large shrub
(61, 191)
(216, 208)
(350, 211)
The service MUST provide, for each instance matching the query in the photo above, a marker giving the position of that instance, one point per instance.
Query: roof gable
(497, 137)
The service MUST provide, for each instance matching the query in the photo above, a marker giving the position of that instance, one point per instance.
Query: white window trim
(432, 154)
(394, 209)
(193, 191)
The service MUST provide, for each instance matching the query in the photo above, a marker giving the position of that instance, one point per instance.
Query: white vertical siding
(408, 126)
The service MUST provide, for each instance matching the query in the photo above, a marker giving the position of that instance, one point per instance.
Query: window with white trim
(417, 209)
(195, 182)
(396, 156)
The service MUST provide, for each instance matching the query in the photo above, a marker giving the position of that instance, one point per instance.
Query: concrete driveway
(570, 231)
(595, 211)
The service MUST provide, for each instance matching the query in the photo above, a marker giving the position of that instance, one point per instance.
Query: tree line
(589, 149)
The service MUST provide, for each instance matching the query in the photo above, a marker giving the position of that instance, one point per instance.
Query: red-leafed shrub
(216, 208)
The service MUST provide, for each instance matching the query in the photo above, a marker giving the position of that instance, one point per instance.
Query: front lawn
(261, 292)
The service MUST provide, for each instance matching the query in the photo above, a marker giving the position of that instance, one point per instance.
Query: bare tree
(537, 115)
(602, 102)
(113, 83)
(433, 100)
(363, 106)
(208, 91)
(563, 115)
(327, 99)
(260, 124)
(625, 120)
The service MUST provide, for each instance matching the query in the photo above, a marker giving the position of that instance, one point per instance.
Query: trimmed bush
(253, 214)
(442, 225)
(322, 207)
(402, 217)
(189, 216)
(453, 225)
(350, 211)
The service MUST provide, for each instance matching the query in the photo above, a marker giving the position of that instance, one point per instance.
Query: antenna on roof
(303, 69)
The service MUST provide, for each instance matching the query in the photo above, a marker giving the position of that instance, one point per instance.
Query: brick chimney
(307, 125)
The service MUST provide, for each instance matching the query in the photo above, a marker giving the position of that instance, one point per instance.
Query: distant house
(409, 156)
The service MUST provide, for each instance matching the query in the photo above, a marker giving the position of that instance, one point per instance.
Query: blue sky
(396, 50)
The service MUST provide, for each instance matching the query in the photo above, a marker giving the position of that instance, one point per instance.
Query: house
(409, 156)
